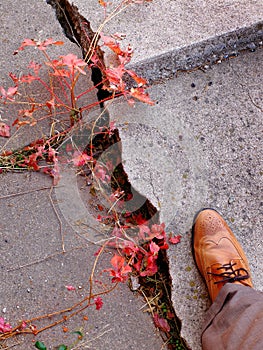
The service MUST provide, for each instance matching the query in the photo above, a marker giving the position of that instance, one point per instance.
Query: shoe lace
(230, 274)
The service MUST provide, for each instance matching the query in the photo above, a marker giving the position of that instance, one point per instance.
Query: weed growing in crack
(137, 240)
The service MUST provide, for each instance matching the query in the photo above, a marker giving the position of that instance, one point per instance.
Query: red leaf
(112, 44)
(140, 81)
(101, 173)
(100, 207)
(70, 288)
(28, 78)
(120, 271)
(4, 130)
(4, 327)
(80, 159)
(73, 62)
(175, 239)
(40, 45)
(154, 248)
(103, 3)
(114, 75)
(58, 42)
(141, 95)
(9, 93)
(35, 66)
(26, 42)
(117, 261)
(161, 323)
(98, 303)
(151, 266)
(158, 231)
(144, 229)
(139, 220)
(14, 78)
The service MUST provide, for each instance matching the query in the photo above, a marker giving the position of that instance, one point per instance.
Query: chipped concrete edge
(206, 52)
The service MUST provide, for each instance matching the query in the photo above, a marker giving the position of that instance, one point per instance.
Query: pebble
(231, 200)
(135, 283)
(252, 47)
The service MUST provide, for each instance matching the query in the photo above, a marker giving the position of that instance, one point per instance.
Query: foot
(217, 253)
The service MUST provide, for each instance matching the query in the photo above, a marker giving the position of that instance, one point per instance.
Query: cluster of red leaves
(141, 253)
(67, 66)
(41, 45)
(139, 257)
(120, 271)
(66, 69)
(116, 75)
(4, 326)
(6, 95)
(32, 154)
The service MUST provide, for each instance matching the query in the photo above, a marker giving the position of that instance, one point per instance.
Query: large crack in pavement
(78, 30)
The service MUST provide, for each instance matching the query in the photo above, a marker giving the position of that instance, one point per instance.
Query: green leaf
(62, 347)
(78, 333)
(41, 346)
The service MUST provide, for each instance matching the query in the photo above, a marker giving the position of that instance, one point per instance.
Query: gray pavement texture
(200, 145)
(176, 34)
(35, 271)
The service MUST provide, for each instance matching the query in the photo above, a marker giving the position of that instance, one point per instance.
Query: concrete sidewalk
(200, 145)
(35, 273)
(34, 270)
(171, 35)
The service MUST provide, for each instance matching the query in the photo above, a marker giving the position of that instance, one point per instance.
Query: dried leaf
(4, 130)
(175, 239)
(141, 95)
(161, 323)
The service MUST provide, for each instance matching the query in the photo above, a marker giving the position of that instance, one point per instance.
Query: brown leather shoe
(218, 255)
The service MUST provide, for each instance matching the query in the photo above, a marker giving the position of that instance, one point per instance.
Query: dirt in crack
(156, 289)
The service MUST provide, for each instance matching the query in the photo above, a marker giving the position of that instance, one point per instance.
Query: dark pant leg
(235, 320)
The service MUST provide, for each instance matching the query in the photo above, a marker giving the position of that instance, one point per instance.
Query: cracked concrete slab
(200, 146)
(33, 268)
(35, 272)
(210, 143)
(172, 35)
